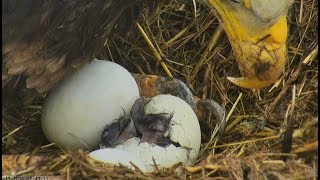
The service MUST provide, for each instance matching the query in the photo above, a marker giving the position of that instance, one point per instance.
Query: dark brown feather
(44, 39)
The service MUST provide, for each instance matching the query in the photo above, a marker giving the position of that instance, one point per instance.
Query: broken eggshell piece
(184, 129)
(116, 156)
(77, 110)
(184, 125)
(165, 157)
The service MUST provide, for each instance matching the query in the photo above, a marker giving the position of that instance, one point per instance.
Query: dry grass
(250, 147)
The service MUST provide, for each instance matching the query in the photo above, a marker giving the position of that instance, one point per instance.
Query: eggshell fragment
(116, 156)
(163, 156)
(77, 110)
(184, 125)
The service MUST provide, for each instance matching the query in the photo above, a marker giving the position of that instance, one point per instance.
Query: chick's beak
(259, 44)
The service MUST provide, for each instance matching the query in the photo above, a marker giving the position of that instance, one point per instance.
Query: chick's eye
(236, 1)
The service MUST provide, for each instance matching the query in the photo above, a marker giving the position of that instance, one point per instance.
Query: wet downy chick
(118, 132)
(150, 128)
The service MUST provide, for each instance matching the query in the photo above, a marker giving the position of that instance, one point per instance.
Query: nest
(195, 49)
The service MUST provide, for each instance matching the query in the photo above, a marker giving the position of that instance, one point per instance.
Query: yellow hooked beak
(258, 40)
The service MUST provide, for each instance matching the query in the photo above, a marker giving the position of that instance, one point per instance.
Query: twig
(213, 41)
(246, 142)
(287, 136)
(233, 107)
(154, 51)
(12, 132)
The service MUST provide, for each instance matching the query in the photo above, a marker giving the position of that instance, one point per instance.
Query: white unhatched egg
(77, 110)
(184, 130)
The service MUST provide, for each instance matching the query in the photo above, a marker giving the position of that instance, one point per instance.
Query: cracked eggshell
(116, 156)
(164, 157)
(184, 125)
(77, 110)
(184, 129)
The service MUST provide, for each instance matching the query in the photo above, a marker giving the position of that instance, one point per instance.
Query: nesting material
(182, 31)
